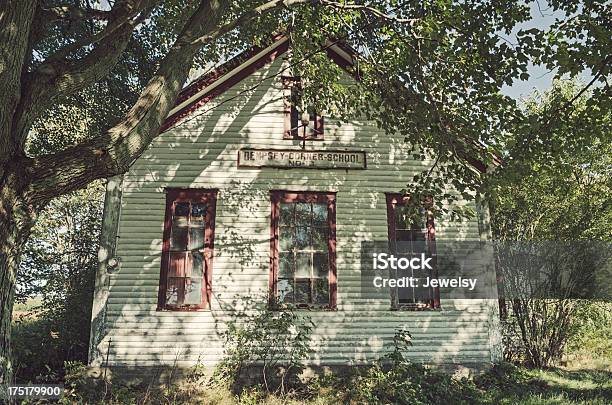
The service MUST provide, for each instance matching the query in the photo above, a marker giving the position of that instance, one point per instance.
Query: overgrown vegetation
(554, 190)
(57, 275)
(393, 380)
(276, 341)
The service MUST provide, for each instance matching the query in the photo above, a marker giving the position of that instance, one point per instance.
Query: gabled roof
(214, 83)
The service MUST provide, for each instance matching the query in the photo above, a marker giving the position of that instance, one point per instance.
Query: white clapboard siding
(202, 153)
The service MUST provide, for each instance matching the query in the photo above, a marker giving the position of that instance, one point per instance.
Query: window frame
(393, 200)
(291, 118)
(174, 195)
(283, 196)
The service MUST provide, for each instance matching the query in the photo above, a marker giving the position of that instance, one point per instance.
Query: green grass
(24, 307)
(554, 386)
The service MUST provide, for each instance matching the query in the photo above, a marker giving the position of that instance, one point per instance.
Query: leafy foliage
(266, 339)
(591, 342)
(59, 266)
(555, 186)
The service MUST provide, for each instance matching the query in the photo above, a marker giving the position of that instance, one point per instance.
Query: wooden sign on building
(305, 159)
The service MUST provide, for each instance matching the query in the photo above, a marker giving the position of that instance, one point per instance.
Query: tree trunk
(17, 217)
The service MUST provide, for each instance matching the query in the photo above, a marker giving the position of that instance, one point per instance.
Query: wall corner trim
(106, 251)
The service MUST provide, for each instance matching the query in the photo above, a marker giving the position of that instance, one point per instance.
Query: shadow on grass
(506, 381)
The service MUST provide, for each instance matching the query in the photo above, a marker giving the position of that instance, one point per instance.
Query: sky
(540, 77)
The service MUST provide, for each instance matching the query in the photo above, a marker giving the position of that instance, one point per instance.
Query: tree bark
(17, 217)
(15, 24)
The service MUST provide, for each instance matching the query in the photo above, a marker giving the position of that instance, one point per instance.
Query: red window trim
(393, 200)
(186, 194)
(292, 120)
(282, 196)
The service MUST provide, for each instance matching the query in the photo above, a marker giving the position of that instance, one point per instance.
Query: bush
(592, 339)
(58, 268)
(277, 341)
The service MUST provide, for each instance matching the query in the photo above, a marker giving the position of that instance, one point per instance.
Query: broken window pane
(285, 290)
(198, 212)
(172, 291)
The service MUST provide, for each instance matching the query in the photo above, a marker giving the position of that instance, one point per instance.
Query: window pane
(285, 290)
(321, 291)
(178, 237)
(181, 209)
(403, 235)
(286, 267)
(319, 239)
(302, 237)
(319, 214)
(196, 238)
(405, 295)
(302, 265)
(286, 238)
(177, 265)
(404, 246)
(198, 211)
(400, 219)
(302, 214)
(302, 291)
(197, 265)
(286, 214)
(422, 294)
(193, 291)
(320, 265)
(172, 290)
(418, 234)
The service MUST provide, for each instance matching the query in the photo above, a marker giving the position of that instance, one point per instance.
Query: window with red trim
(186, 265)
(412, 233)
(303, 249)
(294, 127)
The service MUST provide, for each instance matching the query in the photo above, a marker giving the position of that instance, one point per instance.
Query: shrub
(58, 267)
(274, 340)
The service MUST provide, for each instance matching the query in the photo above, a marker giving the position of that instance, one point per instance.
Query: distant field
(25, 307)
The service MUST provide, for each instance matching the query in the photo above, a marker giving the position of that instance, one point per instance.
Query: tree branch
(114, 151)
(125, 14)
(60, 76)
(73, 13)
(255, 12)
(16, 21)
(369, 10)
